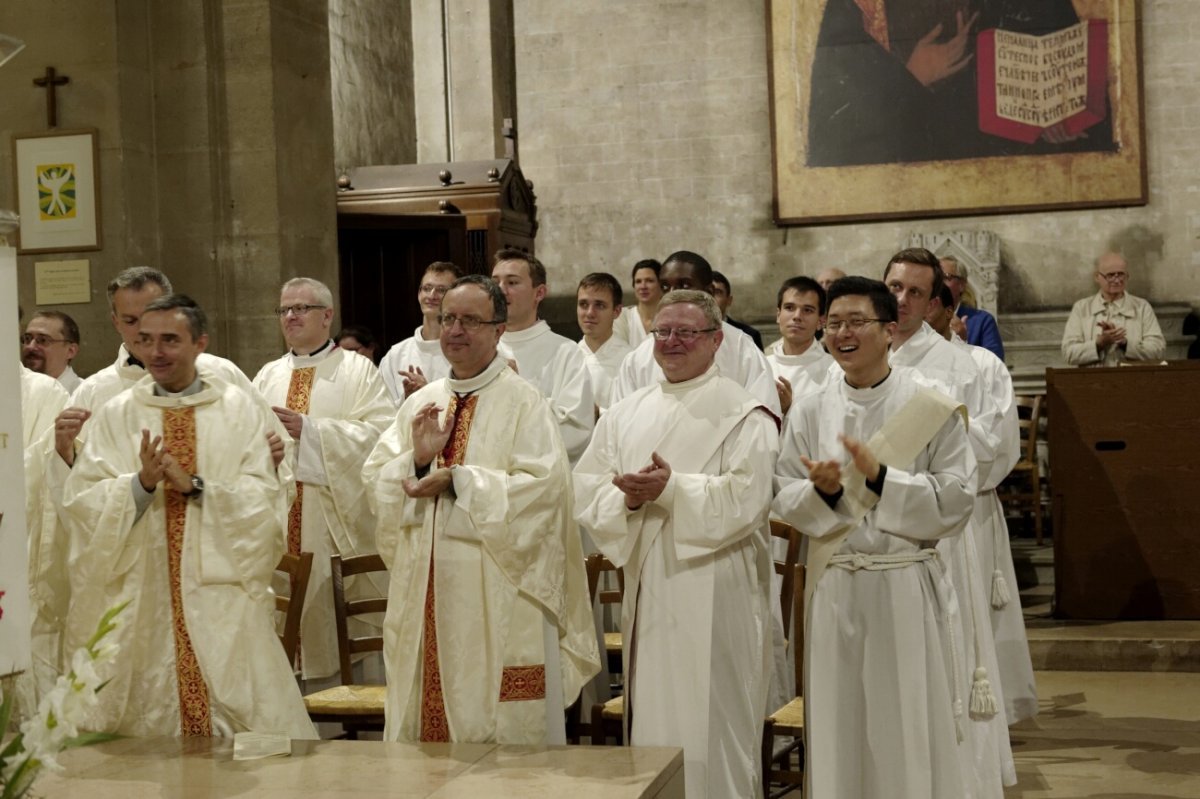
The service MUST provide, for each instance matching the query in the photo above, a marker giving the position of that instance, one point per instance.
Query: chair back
(786, 568)
(596, 565)
(1029, 412)
(297, 568)
(343, 568)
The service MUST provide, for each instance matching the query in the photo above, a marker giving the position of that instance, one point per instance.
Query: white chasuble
(195, 572)
(807, 372)
(555, 365)
(346, 407)
(882, 694)
(696, 618)
(602, 366)
(480, 573)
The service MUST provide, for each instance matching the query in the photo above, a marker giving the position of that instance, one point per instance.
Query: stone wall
(371, 58)
(645, 127)
(216, 150)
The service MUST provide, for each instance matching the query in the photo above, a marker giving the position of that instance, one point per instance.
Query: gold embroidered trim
(522, 683)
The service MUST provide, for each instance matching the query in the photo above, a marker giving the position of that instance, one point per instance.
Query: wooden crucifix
(49, 82)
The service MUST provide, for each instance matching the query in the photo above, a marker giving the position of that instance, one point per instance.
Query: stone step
(1034, 564)
(1057, 645)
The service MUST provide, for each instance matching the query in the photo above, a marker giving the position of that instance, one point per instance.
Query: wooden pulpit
(1125, 482)
(393, 221)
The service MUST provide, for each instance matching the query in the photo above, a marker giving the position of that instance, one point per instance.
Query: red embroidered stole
(179, 439)
(298, 397)
(435, 727)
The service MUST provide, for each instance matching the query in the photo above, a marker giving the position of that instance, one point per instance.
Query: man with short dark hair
(597, 308)
(1112, 326)
(488, 635)
(418, 359)
(551, 362)
(333, 405)
(722, 292)
(738, 358)
(357, 338)
(675, 489)
(172, 505)
(875, 470)
(50, 343)
(800, 364)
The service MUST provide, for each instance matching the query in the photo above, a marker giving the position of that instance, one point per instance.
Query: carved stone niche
(978, 250)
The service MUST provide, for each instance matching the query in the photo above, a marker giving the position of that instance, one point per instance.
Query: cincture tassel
(1000, 594)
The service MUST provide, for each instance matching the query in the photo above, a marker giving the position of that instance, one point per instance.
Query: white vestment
(879, 678)
(995, 552)
(505, 640)
(69, 379)
(42, 398)
(49, 581)
(602, 366)
(348, 407)
(987, 752)
(697, 571)
(425, 354)
(229, 543)
(555, 365)
(806, 372)
(628, 327)
(737, 358)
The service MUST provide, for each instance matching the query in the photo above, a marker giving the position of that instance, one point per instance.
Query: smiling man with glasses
(1112, 326)
(50, 343)
(488, 634)
(418, 359)
(675, 489)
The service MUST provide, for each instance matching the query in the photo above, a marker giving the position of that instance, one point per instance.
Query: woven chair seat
(612, 642)
(789, 717)
(614, 709)
(348, 700)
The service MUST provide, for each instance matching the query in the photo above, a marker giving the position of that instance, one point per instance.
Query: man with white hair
(334, 405)
(1112, 326)
(675, 489)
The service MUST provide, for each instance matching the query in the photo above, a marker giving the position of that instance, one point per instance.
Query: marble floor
(1110, 735)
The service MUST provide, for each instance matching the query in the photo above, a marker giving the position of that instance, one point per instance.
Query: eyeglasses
(40, 340)
(853, 325)
(435, 289)
(469, 323)
(298, 310)
(1114, 277)
(684, 334)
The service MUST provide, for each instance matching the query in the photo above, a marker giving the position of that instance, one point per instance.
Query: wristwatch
(197, 487)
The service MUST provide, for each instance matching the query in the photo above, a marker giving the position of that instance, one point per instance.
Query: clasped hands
(646, 484)
(826, 476)
(1110, 334)
(429, 437)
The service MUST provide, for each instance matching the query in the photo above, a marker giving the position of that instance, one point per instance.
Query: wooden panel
(381, 261)
(1125, 477)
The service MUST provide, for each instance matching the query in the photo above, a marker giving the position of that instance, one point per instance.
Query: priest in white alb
(333, 405)
(738, 358)
(488, 635)
(172, 507)
(551, 362)
(675, 489)
(875, 470)
(798, 361)
(597, 309)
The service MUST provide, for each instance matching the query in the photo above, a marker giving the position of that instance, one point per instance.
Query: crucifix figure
(51, 80)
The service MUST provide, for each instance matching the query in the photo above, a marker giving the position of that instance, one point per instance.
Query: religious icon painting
(57, 190)
(921, 108)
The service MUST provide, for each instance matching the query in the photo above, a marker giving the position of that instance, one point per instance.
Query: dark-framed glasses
(469, 323)
(853, 325)
(434, 289)
(684, 334)
(1114, 277)
(298, 310)
(40, 339)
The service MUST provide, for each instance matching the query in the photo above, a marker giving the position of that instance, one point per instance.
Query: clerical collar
(875, 385)
(132, 361)
(470, 385)
(315, 352)
(194, 388)
(686, 385)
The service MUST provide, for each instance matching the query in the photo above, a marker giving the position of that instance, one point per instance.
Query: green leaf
(5, 712)
(89, 739)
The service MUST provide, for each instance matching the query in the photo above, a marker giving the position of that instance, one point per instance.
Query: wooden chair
(298, 568)
(357, 708)
(788, 721)
(608, 717)
(1022, 488)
